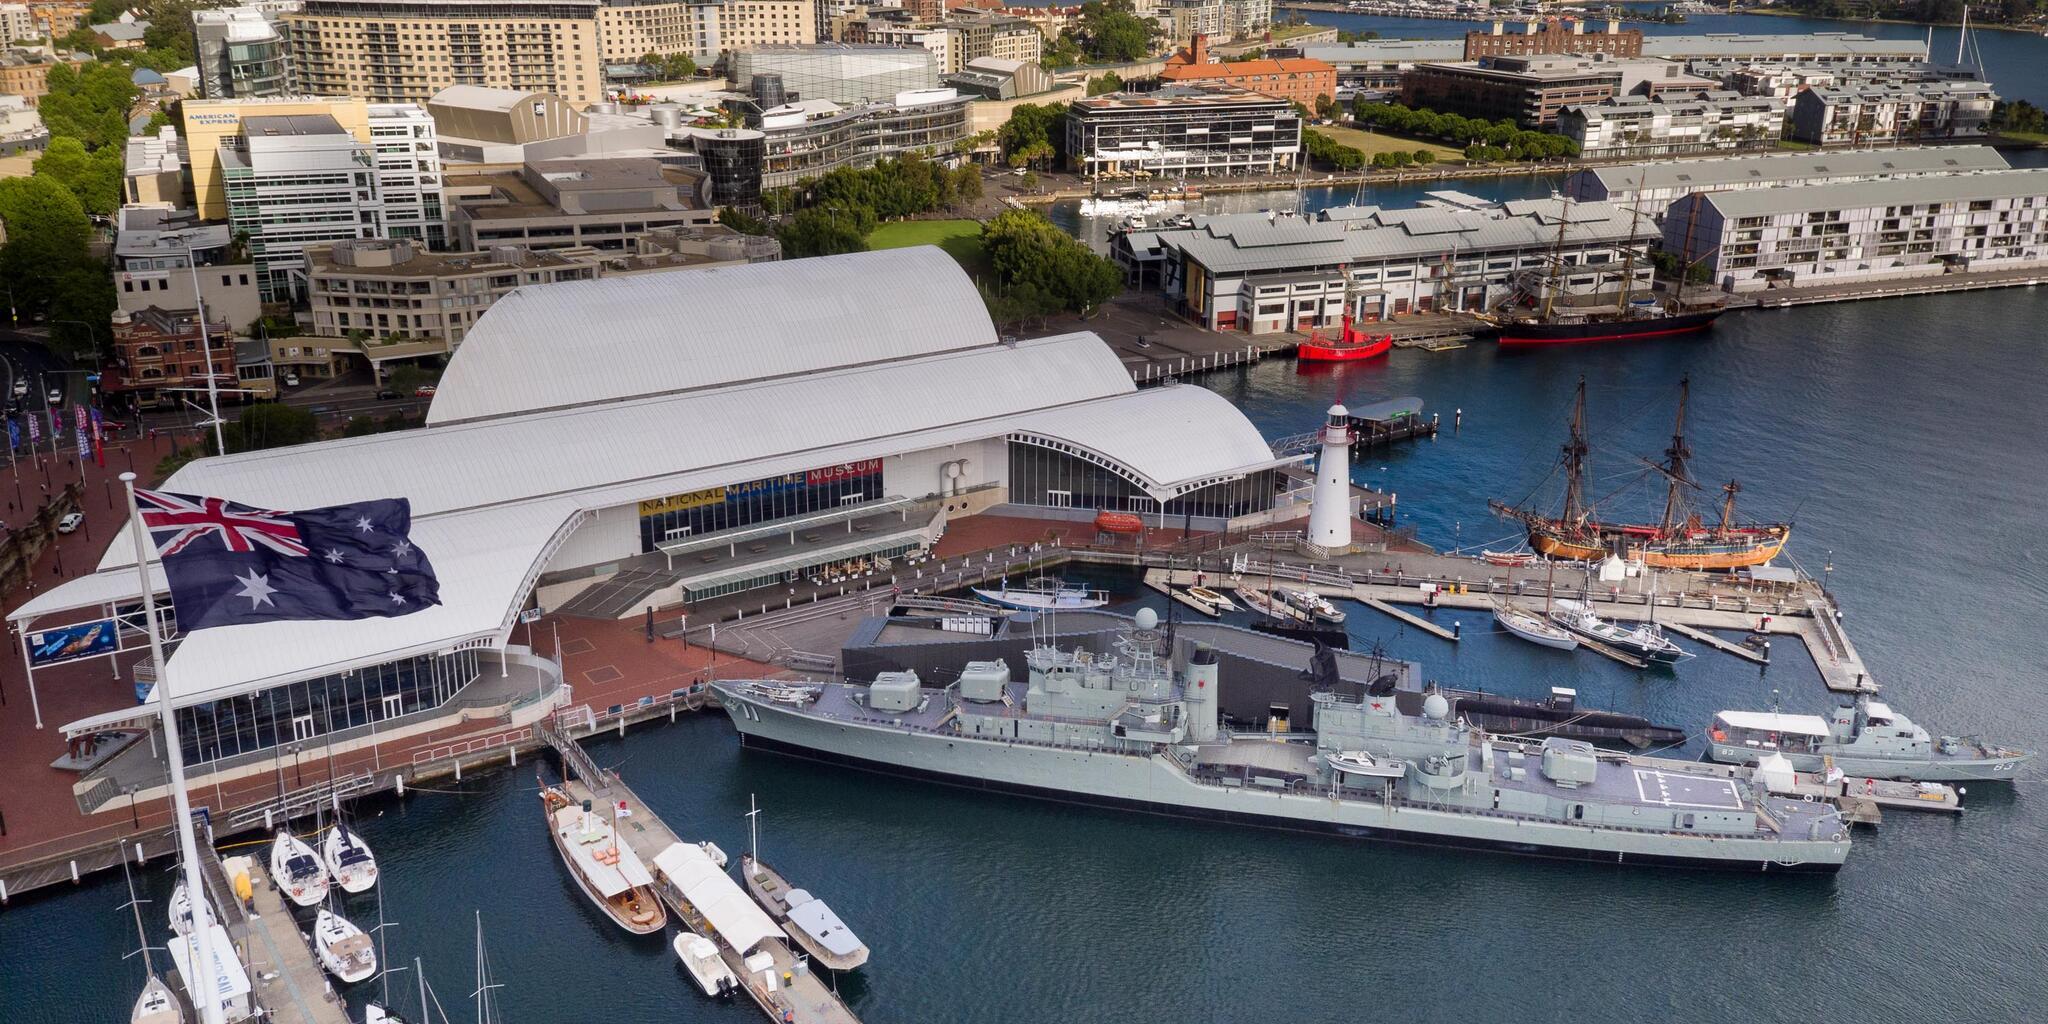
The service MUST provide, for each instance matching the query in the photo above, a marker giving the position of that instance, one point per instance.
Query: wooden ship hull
(1754, 546)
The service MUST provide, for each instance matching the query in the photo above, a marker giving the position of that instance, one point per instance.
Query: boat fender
(1838, 837)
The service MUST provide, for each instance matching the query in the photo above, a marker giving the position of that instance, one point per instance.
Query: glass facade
(315, 707)
(859, 137)
(733, 158)
(757, 501)
(1063, 477)
(838, 72)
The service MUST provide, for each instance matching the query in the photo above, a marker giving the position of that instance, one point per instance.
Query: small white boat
(375, 1014)
(1210, 601)
(1534, 628)
(296, 871)
(699, 956)
(1272, 607)
(1312, 603)
(348, 859)
(344, 950)
(181, 911)
(156, 1005)
(1043, 593)
(1509, 558)
(1366, 765)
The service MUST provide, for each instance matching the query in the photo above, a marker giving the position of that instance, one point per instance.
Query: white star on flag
(334, 555)
(396, 598)
(401, 549)
(256, 587)
(363, 524)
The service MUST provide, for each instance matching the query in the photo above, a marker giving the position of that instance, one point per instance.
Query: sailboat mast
(1628, 259)
(1556, 257)
(1675, 456)
(1575, 463)
(1731, 488)
(136, 905)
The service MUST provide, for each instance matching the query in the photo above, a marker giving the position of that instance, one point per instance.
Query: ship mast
(1731, 488)
(1674, 466)
(1575, 451)
(1628, 263)
(1550, 286)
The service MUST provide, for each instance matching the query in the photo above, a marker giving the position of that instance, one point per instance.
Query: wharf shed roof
(1849, 195)
(1247, 242)
(1702, 175)
(542, 348)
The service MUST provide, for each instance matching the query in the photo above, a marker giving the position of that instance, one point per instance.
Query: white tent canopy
(734, 916)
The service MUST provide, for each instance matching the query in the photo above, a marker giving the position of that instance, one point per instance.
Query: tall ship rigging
(1543, 321)
(1680, 539)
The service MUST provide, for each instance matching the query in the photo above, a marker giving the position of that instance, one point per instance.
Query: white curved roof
(1177, 438)
(584, 342)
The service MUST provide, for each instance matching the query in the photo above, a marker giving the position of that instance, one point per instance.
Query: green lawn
(1376, 142)
(960, 238)
(2036, 138)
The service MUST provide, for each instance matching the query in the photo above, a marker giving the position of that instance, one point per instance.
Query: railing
(472, 746)
(301, 801)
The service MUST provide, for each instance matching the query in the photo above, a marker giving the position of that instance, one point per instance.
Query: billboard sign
(69, 643)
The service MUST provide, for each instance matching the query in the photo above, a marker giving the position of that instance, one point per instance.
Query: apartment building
(1186, 19)
(1628, 126)
(403, 302)
(409, 182)
(155, 247)
(17, 25)
(1852, 232)
(240, 53)
(629, 30)
(1268, 272)
(395, 51)
(748, 23)
(1891, 114)
(26, 73)
(1205, 129)
(21, 128)
(809, 138)
(1655, 185)
(1299, 78)
(1532, 91)
(1245, 18)
(1554, 35)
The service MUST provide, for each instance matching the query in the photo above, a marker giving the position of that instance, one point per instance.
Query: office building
(393, 51)
(602, 203)
(991, 78)
(291, 180)
(158, 353)
(1553, 35)
(1864, 231)
(808, 139)
(1265, 272)
(1655, 185)
(1628, 126)
(1199, 130)
(409, 181)
(838, 72)
(404, 303)
(630, 30)
(1531, 91)
(1890, 115)
(1299, 79)
(155, 247)
(240, 53)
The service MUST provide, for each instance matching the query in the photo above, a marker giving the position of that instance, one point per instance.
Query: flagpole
(174, 756)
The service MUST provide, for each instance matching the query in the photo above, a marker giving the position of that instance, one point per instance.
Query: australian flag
(229, 564)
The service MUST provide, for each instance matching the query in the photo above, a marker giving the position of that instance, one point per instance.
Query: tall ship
(1133, 730)
(1535, 315)
(1680, 539)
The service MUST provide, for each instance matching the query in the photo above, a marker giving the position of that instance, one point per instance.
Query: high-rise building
(408, 172)
(632, 29)
(397, 51)
(240, 53)
(291, 180)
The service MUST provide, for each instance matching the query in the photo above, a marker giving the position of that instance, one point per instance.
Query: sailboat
(1537, 629)
(344, 950)
(1543, 322)
(181, 911)
(1680, 539)
(348, 859)
(295, 871)
(156, 1004)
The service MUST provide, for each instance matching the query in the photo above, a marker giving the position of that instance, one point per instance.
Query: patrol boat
(1866, 739)
(1131, 730)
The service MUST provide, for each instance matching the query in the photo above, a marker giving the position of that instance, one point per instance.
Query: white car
(291, 380)
(20, 388)
(55, 397)
(70, 522)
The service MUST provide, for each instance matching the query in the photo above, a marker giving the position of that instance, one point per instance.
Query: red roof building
(1298, 78)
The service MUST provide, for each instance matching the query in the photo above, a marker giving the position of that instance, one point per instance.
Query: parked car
(55, 397)
(386, 394)
(423, 391)
(291, 380)
(20, 388)
(70, 522)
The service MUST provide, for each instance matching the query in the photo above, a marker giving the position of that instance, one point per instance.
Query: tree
(1425, 157)
(1039, 269)
(1327, 108)
(47, 232)
(95, 178)
(670, 67)
(81, 307)
(1029, 125)
(271, 425)
(1112, 33)
(89, 104)
(1108, 82)
(826, 230)
(967, 184)
(1030, 180)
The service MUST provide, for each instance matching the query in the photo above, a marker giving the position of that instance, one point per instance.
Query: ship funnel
(1201, 696)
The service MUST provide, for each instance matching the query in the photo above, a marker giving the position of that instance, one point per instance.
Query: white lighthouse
(1329, 511)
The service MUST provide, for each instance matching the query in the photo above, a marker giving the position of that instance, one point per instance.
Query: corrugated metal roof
(584, 342)
(1702, 175)
(1527, 224)
(1847, 195)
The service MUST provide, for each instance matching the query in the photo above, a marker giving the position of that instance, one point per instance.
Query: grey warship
(1132, 729)
(1867, 738)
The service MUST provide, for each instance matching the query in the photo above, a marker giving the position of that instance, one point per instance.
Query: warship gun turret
(1131, 729)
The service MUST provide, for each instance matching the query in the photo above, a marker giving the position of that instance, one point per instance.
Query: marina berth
(297, 871)
(610, 874)
(731, 916)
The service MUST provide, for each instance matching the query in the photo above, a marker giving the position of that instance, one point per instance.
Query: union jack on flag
(175, 522)
(231, 564)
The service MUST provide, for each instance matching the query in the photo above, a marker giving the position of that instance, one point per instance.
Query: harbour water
(1898, 434)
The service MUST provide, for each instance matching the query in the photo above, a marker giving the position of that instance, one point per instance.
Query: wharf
(1963, 281)
(800, 994)
(1702, 636)
(1863, 801)
(283, 969)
